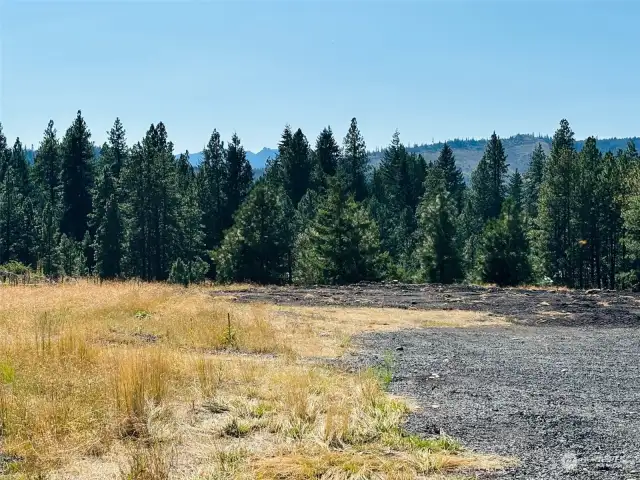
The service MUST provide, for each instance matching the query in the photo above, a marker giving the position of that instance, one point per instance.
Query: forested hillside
(322, 212)
(518, 148)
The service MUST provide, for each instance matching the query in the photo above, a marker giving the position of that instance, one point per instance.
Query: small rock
(435, 405)
(434, 375)
(399, 349)
(593, 291)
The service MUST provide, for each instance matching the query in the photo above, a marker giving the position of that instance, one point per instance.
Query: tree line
(320, 213)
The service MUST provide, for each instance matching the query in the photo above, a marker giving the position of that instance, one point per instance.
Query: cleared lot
(559, 388)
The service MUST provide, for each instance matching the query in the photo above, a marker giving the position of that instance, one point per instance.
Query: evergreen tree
(342, 244)
(556, 246)
(116, 153)
(49, 237)
(20, 168)
(397, 186)
(295, 163)
(77, 179)
(186, 176)
(212, 180)
(588, 214)
(505, 248)
(152, 206)
(533, 180)
(5, 154)
(107, 223)
(354, 163)
(452, 174)
(192, 247)
(515, 190)
(47, 166)
(327, 156)
(258, 246)
(16, 230)
(70, 260)
(497, 166)
(438, 248)
(239, 178)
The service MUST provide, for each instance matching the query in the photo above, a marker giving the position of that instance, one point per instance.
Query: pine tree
(186, 175)
(295, 163)
(107, 223)
(505, 248)
(239, 178)
(5, 154)
(557, 243)
(453, 175)
(327, 156)
(212, 180)
(192, 247)
(515, 190)
(69, 252)
(77, 179)
(588, 214)
(533, 180)
(20, 168)
(258, 246)
(354, 163)
(497, 166)
(438, 247)
(152, 206)
(47, 166)
(116, 153)
(15, 241)
(48, 236)
(342, 244)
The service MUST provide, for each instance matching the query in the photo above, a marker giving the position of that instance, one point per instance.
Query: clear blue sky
(434, 70)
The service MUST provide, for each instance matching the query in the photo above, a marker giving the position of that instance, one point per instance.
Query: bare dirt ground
(558, 387)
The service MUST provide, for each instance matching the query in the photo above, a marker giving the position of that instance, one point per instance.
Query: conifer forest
(320, 214)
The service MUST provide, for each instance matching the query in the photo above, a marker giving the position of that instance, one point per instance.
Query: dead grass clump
(152, 462)
(142, 380)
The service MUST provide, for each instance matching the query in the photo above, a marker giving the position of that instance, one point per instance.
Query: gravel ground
(559, 388)
(565, 401)
(521, 306)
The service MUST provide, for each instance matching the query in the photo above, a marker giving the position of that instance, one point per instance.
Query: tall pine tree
(77, 179)
(212, 179)
(354, 163)
(454, 179)
(239, 178)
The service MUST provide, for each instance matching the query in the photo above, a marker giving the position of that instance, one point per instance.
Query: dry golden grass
(327, 331)
(151, 382)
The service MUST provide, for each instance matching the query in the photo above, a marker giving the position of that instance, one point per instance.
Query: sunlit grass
(150, 381)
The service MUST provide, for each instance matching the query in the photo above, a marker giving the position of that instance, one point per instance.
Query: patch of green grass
(236, 429)
(401, 439)
(261, 409)
(7, 373)
(384, 372)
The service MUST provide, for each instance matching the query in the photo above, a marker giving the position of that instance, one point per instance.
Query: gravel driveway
(565, 401)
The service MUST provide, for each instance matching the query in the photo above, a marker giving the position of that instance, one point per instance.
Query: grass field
(150, 382)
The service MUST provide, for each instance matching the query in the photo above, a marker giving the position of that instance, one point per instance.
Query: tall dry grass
(150, 381)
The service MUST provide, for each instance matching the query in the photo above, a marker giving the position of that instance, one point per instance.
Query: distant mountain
(518, 149)
(257, 160)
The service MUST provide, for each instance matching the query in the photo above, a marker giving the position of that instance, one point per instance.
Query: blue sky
(434, 70)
